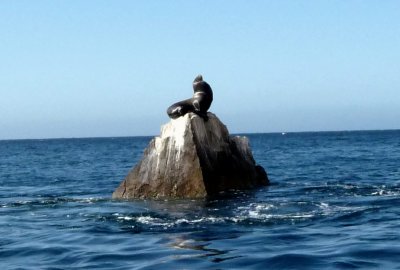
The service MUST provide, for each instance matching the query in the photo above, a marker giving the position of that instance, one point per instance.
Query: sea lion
(199, 103)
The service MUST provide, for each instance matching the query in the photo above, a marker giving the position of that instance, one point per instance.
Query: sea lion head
(199, 78)
(200, 86)
(197, 83)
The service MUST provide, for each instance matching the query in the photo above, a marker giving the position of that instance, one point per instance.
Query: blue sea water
(333, 204)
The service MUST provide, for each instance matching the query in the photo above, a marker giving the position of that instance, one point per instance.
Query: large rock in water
(192, 158)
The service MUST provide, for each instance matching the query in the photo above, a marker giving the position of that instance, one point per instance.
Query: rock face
(192, 158)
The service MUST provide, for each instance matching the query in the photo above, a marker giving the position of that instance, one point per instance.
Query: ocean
(333, 203)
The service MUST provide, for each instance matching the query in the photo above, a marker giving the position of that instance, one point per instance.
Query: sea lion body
(199, 103)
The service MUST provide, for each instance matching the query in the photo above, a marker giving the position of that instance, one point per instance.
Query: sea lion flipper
(202, 115)
(196, 105)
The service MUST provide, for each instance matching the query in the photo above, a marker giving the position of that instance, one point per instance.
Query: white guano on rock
(192, 158)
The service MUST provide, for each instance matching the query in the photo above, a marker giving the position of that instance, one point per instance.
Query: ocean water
(334, 203)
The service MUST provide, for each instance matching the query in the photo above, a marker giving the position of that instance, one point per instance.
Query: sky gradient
(111, 68)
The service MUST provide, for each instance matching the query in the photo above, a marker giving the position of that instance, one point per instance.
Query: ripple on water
(333, 204)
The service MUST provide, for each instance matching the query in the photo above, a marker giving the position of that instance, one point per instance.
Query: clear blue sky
(111, 68)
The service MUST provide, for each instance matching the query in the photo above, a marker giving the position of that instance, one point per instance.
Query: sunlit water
(334, 203)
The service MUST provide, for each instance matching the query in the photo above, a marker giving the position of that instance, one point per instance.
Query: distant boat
(283, 133)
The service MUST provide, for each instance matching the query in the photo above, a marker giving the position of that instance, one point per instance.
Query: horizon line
(234, 133)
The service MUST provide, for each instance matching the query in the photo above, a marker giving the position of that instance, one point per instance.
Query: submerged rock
(192, 158)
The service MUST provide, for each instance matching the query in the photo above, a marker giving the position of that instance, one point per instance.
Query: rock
(192, 158)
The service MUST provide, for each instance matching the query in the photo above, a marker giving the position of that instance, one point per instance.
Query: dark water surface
(334, 204)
